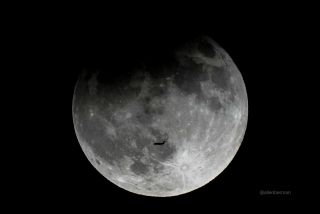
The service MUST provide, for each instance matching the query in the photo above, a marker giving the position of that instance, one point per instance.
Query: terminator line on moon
(165, 132)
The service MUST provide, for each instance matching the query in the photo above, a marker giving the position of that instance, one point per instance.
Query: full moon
(163, 129)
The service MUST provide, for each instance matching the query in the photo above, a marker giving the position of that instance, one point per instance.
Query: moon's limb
(203, 110)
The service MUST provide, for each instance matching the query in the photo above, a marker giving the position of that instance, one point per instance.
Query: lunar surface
(163, 130)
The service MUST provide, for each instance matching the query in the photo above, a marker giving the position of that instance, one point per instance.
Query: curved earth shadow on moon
(197, 105)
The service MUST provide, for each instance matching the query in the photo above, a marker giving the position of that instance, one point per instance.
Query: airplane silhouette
(160, 143)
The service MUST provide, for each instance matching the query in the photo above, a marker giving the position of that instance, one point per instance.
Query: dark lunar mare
(188, 80)
(220, 76)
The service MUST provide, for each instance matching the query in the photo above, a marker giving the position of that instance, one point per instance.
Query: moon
(163, 129)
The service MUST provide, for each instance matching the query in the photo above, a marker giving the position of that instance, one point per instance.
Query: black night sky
(261, 42)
